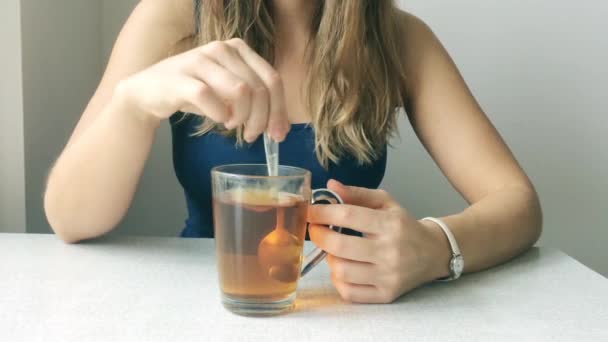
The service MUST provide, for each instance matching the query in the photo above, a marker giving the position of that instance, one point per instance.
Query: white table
(159, 289)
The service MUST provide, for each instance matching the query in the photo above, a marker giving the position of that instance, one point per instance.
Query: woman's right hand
(226, 81)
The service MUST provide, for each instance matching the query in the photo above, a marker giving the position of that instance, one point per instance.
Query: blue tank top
(194, 157)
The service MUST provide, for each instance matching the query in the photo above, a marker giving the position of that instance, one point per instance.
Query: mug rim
(219, 171)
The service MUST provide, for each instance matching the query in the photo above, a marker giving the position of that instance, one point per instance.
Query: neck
(292, 19)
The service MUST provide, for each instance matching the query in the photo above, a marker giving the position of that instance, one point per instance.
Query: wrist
(124, 104)
(440, 252)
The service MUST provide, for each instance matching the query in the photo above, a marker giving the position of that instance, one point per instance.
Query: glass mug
(260, 228)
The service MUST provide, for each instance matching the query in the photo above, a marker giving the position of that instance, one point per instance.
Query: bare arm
(504, 216)
(92, 183)
(398, 252)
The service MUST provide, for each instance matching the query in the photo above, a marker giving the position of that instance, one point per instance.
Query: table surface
(165, 289)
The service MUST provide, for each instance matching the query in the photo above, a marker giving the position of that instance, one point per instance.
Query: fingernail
(250, 138)
(230, 125)
(277, 134)
(338, 184)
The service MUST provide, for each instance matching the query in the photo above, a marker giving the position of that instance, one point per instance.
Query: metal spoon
(279, 251)
(271, 148)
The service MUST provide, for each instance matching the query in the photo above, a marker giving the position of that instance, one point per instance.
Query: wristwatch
(456, 262)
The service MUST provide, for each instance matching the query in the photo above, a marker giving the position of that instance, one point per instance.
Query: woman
(324, 77)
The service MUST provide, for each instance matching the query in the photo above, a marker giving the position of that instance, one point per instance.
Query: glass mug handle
(317, 255)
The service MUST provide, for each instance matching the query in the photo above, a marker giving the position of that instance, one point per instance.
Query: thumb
(369, 198)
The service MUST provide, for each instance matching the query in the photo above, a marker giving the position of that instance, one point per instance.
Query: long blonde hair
(357, 78)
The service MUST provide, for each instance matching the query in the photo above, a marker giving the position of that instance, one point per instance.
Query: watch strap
(453, 245)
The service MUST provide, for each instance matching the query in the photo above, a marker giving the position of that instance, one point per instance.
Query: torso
(194, 157)
(293, 74)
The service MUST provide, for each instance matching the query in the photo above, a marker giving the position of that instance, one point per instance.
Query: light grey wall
(159, 207)
(536, 67)
(61, 62)
(63, 47)
(539, 69)
(113, 13)
(12, 183)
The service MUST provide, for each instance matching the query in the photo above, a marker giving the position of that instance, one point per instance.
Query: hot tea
(259, 239)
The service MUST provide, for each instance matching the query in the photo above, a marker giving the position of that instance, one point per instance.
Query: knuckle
(275, 81)
(337, 245)
(198, 92)
(345, 213)
(215, 47)
(242, 89)
(347, 293)
(190, 62)
(260, 91)
(237, 42)
(202, 90)
(387, 296)
(383, 193)
(338, 270)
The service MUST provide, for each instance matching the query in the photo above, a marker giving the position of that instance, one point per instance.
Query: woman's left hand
(396, 254)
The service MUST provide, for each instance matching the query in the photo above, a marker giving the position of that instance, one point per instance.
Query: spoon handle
(271, 147)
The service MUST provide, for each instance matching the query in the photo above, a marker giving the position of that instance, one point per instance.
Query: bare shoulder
(152, 33)
(416, 35)
(410, 22)
(425, 57)
(155, 30)
(176, 14)
(169, 23)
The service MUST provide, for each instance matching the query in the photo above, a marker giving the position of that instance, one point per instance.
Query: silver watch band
(456, 262)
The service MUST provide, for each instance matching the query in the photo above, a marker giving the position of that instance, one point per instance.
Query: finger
(343, 246)
(362, 219)
(370, 198)
(191, 109)
(350, 271)
(356, 293)
(258, 118)
(278, 125)
(199, 98)
(228, 57)
(228, 86)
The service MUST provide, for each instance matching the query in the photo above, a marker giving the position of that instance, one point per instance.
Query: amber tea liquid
(243, 218)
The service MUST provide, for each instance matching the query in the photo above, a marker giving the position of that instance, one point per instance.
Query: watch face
(457, 264)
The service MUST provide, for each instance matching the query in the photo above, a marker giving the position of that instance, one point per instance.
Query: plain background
(537, 67)
(12, 176)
